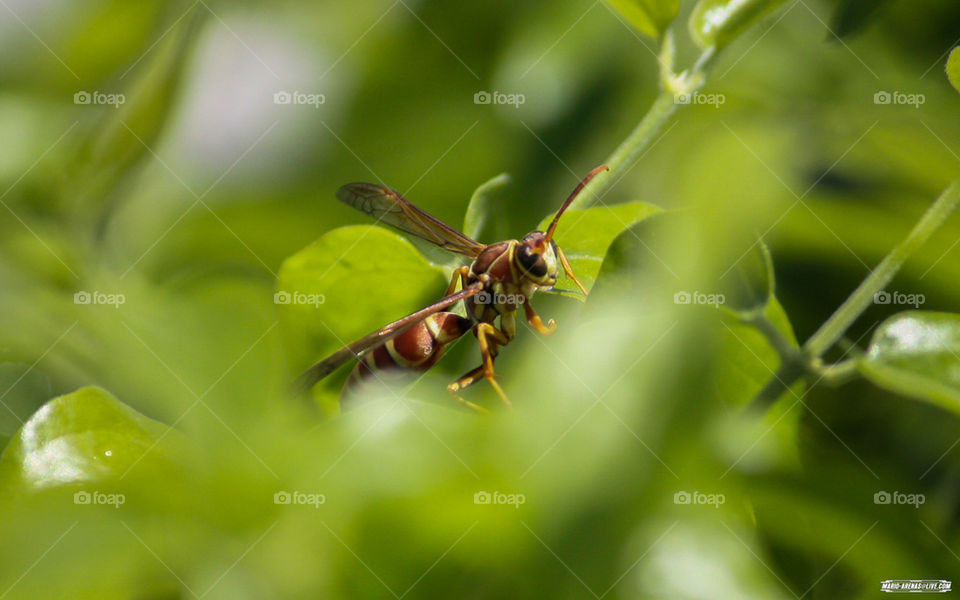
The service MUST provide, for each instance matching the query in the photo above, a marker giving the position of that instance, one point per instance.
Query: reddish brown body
(416, 349)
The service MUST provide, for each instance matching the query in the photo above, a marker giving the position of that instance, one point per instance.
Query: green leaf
(747, 363)
(714, 547)
(84, 436)
(585, 236)
(475, 221)
(651, 17)
(953, 68)
(718, 22)
(750, 284)
(348, 283)
(752, 360)
(130, 130)
(917, 354)
(851, 16)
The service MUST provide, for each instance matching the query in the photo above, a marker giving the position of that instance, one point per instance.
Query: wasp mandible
(502, 277)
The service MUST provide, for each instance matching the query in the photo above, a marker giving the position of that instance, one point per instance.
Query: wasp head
(537, 253)
(536, 258)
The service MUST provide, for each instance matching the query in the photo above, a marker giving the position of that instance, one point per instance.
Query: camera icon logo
(483, 298)
(681, 98)
(881, 297)
(681, 298)
(81, 498)
(282, 498)
(81, 98)
(881, 97)
(881, 498)
(682, 497)
(482, 98)
(282, 97)
(82, 298)
(281, 298)
(482, 498)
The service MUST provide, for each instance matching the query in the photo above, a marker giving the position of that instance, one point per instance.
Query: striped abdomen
(416, 349)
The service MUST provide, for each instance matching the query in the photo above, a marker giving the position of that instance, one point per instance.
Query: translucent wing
(385, 204)
(381, 336)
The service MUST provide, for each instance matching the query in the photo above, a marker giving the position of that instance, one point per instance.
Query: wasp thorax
(537, 258)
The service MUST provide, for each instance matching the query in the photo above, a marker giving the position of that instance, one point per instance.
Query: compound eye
(532, 262)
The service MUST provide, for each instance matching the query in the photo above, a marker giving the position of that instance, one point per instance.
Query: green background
(188, 199)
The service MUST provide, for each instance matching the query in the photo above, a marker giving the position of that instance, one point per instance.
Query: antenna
(556, 219)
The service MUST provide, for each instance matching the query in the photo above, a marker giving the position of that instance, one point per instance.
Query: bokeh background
(188, 198)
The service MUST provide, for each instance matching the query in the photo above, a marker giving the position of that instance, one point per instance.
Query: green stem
(787, 375)
(643, 134)
(792, 362)
(777, 340)
(862, 297)
(835, 374)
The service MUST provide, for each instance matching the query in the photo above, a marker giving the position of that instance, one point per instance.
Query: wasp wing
(385, 204)
(357, 349)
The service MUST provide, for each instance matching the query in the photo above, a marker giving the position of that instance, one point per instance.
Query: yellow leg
(489, 337)
(465, 381)
(569, 270)
(534, 320)
(458, 275)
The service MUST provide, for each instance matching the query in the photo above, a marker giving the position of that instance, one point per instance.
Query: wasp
(501, 279)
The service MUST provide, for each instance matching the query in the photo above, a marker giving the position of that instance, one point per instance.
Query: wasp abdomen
(416, 349)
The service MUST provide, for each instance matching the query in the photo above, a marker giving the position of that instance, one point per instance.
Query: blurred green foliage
(651, 17)
(953, 68)
(914, 352)
(718, 22)
(143, 243)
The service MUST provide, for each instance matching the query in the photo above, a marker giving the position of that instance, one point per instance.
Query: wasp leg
(569, 271)
(465, 381)
(508, 325)
(458, 275)
(534, 320)
(489, 337)
(471, 405)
